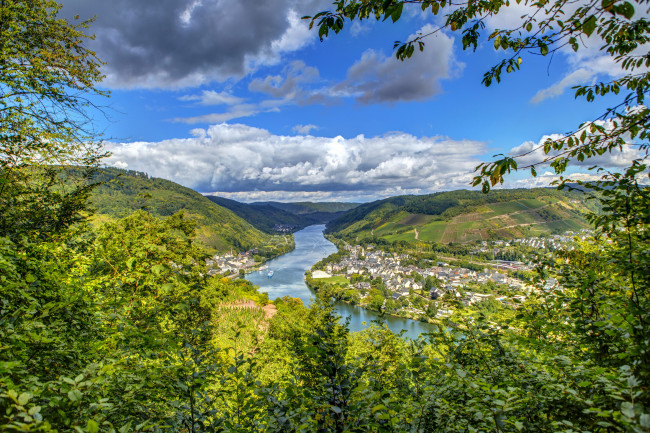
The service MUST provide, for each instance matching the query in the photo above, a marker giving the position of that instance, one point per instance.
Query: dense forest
(118, 193)
(271, 217)
(118, 327)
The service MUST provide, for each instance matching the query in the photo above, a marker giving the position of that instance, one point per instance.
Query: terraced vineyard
(546, 213)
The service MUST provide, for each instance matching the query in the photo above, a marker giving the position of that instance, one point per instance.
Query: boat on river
(270, 274)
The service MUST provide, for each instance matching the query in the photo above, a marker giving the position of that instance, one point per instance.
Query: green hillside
(264, 216)
(312, 213)
(466, 216)
(123, 192)
(269, 216)
(325, 207)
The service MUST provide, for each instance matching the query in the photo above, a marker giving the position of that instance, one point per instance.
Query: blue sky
(240, 99)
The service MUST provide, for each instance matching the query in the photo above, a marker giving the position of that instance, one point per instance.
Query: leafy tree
(578, 355)
(46, 77)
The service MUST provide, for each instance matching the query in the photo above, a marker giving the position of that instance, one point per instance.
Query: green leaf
(543, 49)
(74, 395)
(627, 409)
(644, 420)
(589, 25)
(34, 410)
(92, 426)
(397, 12)
(24, 398)
(627, 10)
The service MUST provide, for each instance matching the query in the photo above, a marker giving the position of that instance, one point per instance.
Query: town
(392, 282)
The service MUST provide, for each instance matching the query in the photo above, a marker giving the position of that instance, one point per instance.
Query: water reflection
(289, 279)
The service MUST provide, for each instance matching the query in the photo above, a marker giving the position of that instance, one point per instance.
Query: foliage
(46, 74)
(119, 328)
(122, 192)
(271, 216)
(264, 216)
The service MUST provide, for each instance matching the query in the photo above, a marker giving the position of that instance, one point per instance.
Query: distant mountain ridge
(466, 216)
(272, 216)
(123, 191)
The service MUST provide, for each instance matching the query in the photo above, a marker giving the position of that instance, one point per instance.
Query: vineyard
(241, 325)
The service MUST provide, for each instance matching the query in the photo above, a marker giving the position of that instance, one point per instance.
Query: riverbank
(289, 280)
(335, 288)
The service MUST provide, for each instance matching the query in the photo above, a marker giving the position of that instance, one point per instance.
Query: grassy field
(337, 279)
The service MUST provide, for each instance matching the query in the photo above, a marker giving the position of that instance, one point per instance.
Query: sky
(240, 99)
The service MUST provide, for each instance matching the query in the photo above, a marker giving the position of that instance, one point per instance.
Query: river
(289, 279)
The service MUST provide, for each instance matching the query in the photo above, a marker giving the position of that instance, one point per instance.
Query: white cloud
(546, 179)
(288, 84)
(304, 129)
(236, 112)
(530, 152)
(376, 78)
(359, 28)
(211, 97)
(243, 159)
(579, 76)
(316, 196)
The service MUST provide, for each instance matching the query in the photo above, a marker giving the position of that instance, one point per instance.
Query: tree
(617, 27)
(48, 319)
(46, 78)
(585, 344)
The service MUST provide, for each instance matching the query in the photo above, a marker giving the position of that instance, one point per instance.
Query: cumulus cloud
(288, 83)
(240, 159)
(284, 89)
(296, 196)
(377, 78)
(211, 97)
(546, 179)
(184, 43)
(235, 112)
(531, 152)
(304, 129)
(579, 76)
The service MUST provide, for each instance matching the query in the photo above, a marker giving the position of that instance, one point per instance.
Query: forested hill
(264, 216)
(271, 215)
(315, 212)
(121, 192)
(466, 216)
